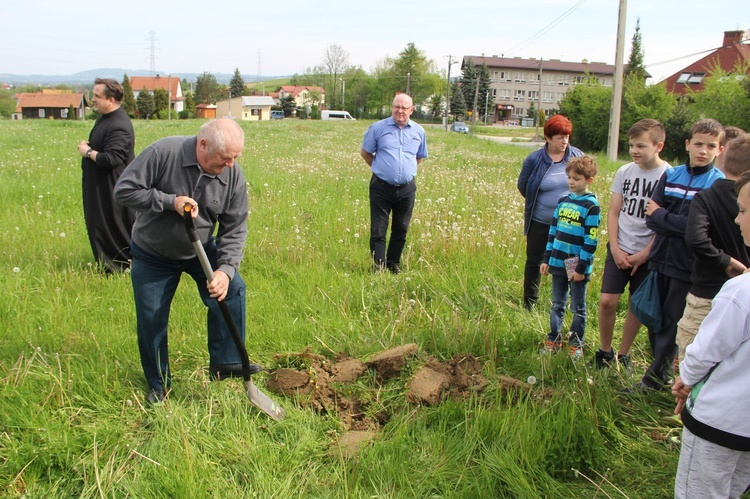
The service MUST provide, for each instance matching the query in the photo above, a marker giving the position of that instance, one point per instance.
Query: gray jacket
(169, 168)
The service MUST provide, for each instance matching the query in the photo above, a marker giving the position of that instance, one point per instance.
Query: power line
(544, 30)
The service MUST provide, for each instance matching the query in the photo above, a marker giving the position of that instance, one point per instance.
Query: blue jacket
(670, 254)
(534, 167)
(574, 233)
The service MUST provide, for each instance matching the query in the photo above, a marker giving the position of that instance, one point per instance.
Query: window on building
(563, 80)
(520, 77)
(494, 92)
(683, 78)
(560, 96)
(519, 95)
(64, 113)
(504, 93)
(696, 78)
(255, 112)
(533, 95)
(41, 113)
(548, 96)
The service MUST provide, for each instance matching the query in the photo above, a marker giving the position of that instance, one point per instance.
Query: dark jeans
(673, 295)
(536, 242)
(560, 287)
(155, 280)
(384, 200)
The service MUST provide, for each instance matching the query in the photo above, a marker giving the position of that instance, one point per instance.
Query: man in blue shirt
(393, 148)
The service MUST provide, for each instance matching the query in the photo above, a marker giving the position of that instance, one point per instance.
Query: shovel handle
(225, 312)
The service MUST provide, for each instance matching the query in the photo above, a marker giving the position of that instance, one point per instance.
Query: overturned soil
(349, 388)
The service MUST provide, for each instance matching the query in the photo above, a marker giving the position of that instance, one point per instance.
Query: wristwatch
(88, 154)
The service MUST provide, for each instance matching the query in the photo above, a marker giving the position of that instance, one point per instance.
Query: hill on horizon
(90, 75)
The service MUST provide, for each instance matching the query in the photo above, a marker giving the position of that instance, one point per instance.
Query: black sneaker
(604, 359)
(394, 268)
(642, 388)
(156, 397)
(218, 372)
(624, 362)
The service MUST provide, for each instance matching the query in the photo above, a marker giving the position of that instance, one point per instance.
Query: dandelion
(531, 380)
(16, 270)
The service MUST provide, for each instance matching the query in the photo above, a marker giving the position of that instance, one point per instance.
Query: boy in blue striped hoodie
(569, 256)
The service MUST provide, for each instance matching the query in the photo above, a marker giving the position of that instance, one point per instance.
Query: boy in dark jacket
(716, 241)
(666, 215)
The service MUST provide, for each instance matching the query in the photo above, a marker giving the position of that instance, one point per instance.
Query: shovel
(257, 397)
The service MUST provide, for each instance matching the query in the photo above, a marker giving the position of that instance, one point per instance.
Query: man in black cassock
(108, 151)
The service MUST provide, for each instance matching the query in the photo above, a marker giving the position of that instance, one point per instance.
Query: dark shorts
(614, 280)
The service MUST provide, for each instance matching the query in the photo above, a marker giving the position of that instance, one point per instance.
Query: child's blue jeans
(560, 288)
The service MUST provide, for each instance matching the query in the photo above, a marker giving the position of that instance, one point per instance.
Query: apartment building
(516, 83)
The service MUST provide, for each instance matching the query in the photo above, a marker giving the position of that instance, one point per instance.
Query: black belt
(397, 186)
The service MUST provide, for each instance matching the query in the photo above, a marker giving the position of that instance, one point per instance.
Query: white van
(336, 115)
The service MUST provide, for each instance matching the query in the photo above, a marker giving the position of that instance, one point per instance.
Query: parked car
(277, 115)
(460, 127)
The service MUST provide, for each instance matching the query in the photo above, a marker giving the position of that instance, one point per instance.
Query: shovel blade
(263, 402)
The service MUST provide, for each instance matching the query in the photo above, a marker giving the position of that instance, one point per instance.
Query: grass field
(74, 421)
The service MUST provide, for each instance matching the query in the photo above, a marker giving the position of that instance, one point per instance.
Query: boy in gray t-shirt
(629, 238)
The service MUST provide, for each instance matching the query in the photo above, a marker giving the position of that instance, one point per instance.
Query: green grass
(73, 420)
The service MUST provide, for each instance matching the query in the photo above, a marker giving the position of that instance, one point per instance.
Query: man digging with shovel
(201, 172)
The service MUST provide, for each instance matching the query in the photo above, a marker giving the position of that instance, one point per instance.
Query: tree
(237, 84)
(128, 100)
(71, 112)
(190, 105)
(145, 103)
(458, 102)
(635, 65)
(485, 91)
(328, 73)
(724, 96)
(677, 128)
(587, 105)
(469, 76)
(206, 89)
(161, 102)
(531, 112)
(412, 70)
(288, 105)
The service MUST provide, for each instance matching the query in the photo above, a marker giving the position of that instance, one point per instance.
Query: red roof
(151, 83)
(47, 100)
(727, 56)
(296, 90)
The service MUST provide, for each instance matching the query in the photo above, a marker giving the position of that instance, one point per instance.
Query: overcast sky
(269, 38)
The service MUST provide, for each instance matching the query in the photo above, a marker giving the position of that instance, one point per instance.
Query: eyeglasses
(402, 108)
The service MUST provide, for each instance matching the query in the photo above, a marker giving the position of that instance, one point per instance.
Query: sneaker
(155, 397)
(624, 362)
(641, 388)
(394, 268)
(604, 359)
(575, 347)
(551, 346)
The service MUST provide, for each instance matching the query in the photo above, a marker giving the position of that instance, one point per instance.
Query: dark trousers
(387, 199)
(536, 242)
(673, 294)
(155, 281)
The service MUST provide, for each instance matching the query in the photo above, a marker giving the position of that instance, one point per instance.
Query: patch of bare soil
(334, 387)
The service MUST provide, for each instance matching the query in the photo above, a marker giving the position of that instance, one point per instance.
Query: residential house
(516, 83)
(304, 96)
(205, 111)
(246, 108)
(731, 52)
(49, 103)
(170, 83)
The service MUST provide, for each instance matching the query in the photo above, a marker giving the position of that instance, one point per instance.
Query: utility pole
(448, 92)
(169, 97)
(614, 115)
(538, 104)
(474, 106)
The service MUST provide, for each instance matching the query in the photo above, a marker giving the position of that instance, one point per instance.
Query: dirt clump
(389, 363)
(427, 386)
